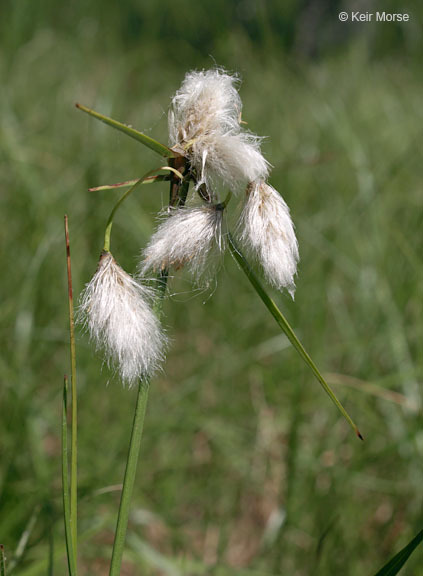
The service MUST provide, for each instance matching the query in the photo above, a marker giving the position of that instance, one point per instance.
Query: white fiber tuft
(116, 310)
(207, 101)
(188, 236)
(204, 121)
(267, 231)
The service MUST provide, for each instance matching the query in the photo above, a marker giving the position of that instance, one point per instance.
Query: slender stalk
(225, 202)
(133, 454)
(74, 437)
(283, 323)
(139, 136)
(178, 192)
(65, 483)
(128, 482)
(124, 196)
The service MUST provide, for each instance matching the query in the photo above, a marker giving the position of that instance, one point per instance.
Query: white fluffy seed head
(204, 121)
(187, 236)
(207, 101)
(116, 310)
(267, 232)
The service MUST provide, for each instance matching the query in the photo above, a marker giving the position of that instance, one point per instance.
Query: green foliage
(245, 467)
(131, 132)
(70, 553)
(398, 561)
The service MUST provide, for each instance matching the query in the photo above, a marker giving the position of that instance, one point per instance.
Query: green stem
(139, 136)
(124, 196)
(65, 483)
(74, 437)
(133, 454)
(223, 205)
(128, 482)
(177, 187)
(283, 323)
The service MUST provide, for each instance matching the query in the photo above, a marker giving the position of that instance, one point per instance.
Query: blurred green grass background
(246, 466)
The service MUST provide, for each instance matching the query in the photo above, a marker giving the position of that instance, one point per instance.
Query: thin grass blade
(139, 136)
(149, 180)
(283, 323)
(74, 438)
(397, 562)
(65, 482)
(129, 479)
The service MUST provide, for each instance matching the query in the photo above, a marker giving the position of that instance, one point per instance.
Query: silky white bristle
(207, 101)
(116, 310)
(188, 236)
(204, 121)
(267, 232)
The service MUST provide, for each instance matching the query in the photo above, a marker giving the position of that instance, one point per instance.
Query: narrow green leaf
(74, 438)
(397, 562)
(2, 561)
(283, 323)
(146, 140)
(129, 480)
(65, 482)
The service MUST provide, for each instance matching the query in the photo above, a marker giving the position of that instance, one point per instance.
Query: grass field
(246, 467)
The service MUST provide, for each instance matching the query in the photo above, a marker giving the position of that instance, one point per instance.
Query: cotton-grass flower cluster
(205, 125)
(214, 153)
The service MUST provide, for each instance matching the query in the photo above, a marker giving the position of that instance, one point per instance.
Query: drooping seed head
(187, 236)
(266, 230)
(116, 309)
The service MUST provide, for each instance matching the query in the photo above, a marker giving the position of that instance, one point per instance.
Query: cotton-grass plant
(211, 152)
